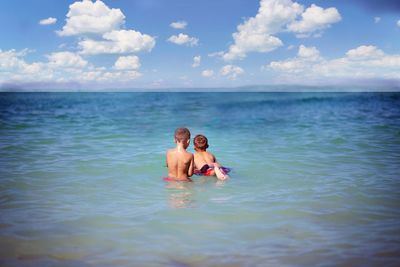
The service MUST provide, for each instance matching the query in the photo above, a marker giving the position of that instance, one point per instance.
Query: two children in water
(182, 164)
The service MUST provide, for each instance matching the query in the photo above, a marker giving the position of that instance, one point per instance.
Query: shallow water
(315, 180)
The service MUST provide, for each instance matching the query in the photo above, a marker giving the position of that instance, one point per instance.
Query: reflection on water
(180, 195)
(183, 194)
(221, 183)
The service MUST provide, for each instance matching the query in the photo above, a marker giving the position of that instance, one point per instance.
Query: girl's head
(200, 142)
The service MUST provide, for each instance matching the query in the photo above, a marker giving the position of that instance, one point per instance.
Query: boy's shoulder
(189, 153)
(170, 150)
(210, 154)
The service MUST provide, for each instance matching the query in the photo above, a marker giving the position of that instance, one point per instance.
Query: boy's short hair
(200, 142)
(182, 134)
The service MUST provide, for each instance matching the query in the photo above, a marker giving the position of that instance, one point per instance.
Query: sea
(315, 180)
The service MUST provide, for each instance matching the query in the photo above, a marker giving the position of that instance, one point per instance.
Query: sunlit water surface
(315, 180)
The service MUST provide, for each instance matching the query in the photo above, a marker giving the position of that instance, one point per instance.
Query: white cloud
(207, 73)
(99, 30)
(256, 34)
(179, 24)
(311, 53)
(231, 71)
(216, 54)
(314, 19)
(364, 52)
(305, 56)
(60, 67)
(363, 62)
(91, 17)
(9, 59)
(48, 21)
(196, 61)
(66, 59)
(122, 41)
(182, 39)
(14, 67)
(398, 23)
(127, 63)
(12, 61)
(108, 76)
(377, 19)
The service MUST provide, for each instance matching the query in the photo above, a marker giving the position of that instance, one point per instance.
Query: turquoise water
(315, 180)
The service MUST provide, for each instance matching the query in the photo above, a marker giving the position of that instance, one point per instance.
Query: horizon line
(244, 88)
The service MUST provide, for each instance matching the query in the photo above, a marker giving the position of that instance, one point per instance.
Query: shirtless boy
(180, 163)
(204, 161)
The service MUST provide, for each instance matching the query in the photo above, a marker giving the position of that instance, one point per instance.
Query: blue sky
(192, 44)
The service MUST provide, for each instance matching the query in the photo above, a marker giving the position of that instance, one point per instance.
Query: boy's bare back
(180, 164)
(202, 158)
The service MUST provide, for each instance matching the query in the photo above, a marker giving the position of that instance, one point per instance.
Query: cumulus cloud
(196, 61)
(100, 27)
(231, 71)
(314, 19)
(207, 73)
(364, 52)
(61, 67)
(311, 53)
(48, 21)
(9, 59)
(363, 62)
(305, 56)
(179, 24)
(256, 34)
(122, 41)
(91, 17)
(66, 59)
(377, 19)
(14, 67)
(12, 61)
(183, 39)
(127, 63)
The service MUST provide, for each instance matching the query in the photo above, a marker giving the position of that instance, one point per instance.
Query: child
(180, 163)
(205, 163)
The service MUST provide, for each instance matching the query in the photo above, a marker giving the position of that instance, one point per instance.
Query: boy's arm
(166, 159)
(191, 166)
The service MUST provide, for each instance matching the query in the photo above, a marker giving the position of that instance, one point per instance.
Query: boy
(180, 163)
(205, 163)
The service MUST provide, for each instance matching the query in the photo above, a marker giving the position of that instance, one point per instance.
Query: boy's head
(200, 142)
(182, 135)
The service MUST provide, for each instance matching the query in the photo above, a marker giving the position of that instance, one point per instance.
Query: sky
(120, 44)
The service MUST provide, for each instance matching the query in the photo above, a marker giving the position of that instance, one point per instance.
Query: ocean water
(315, 180)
